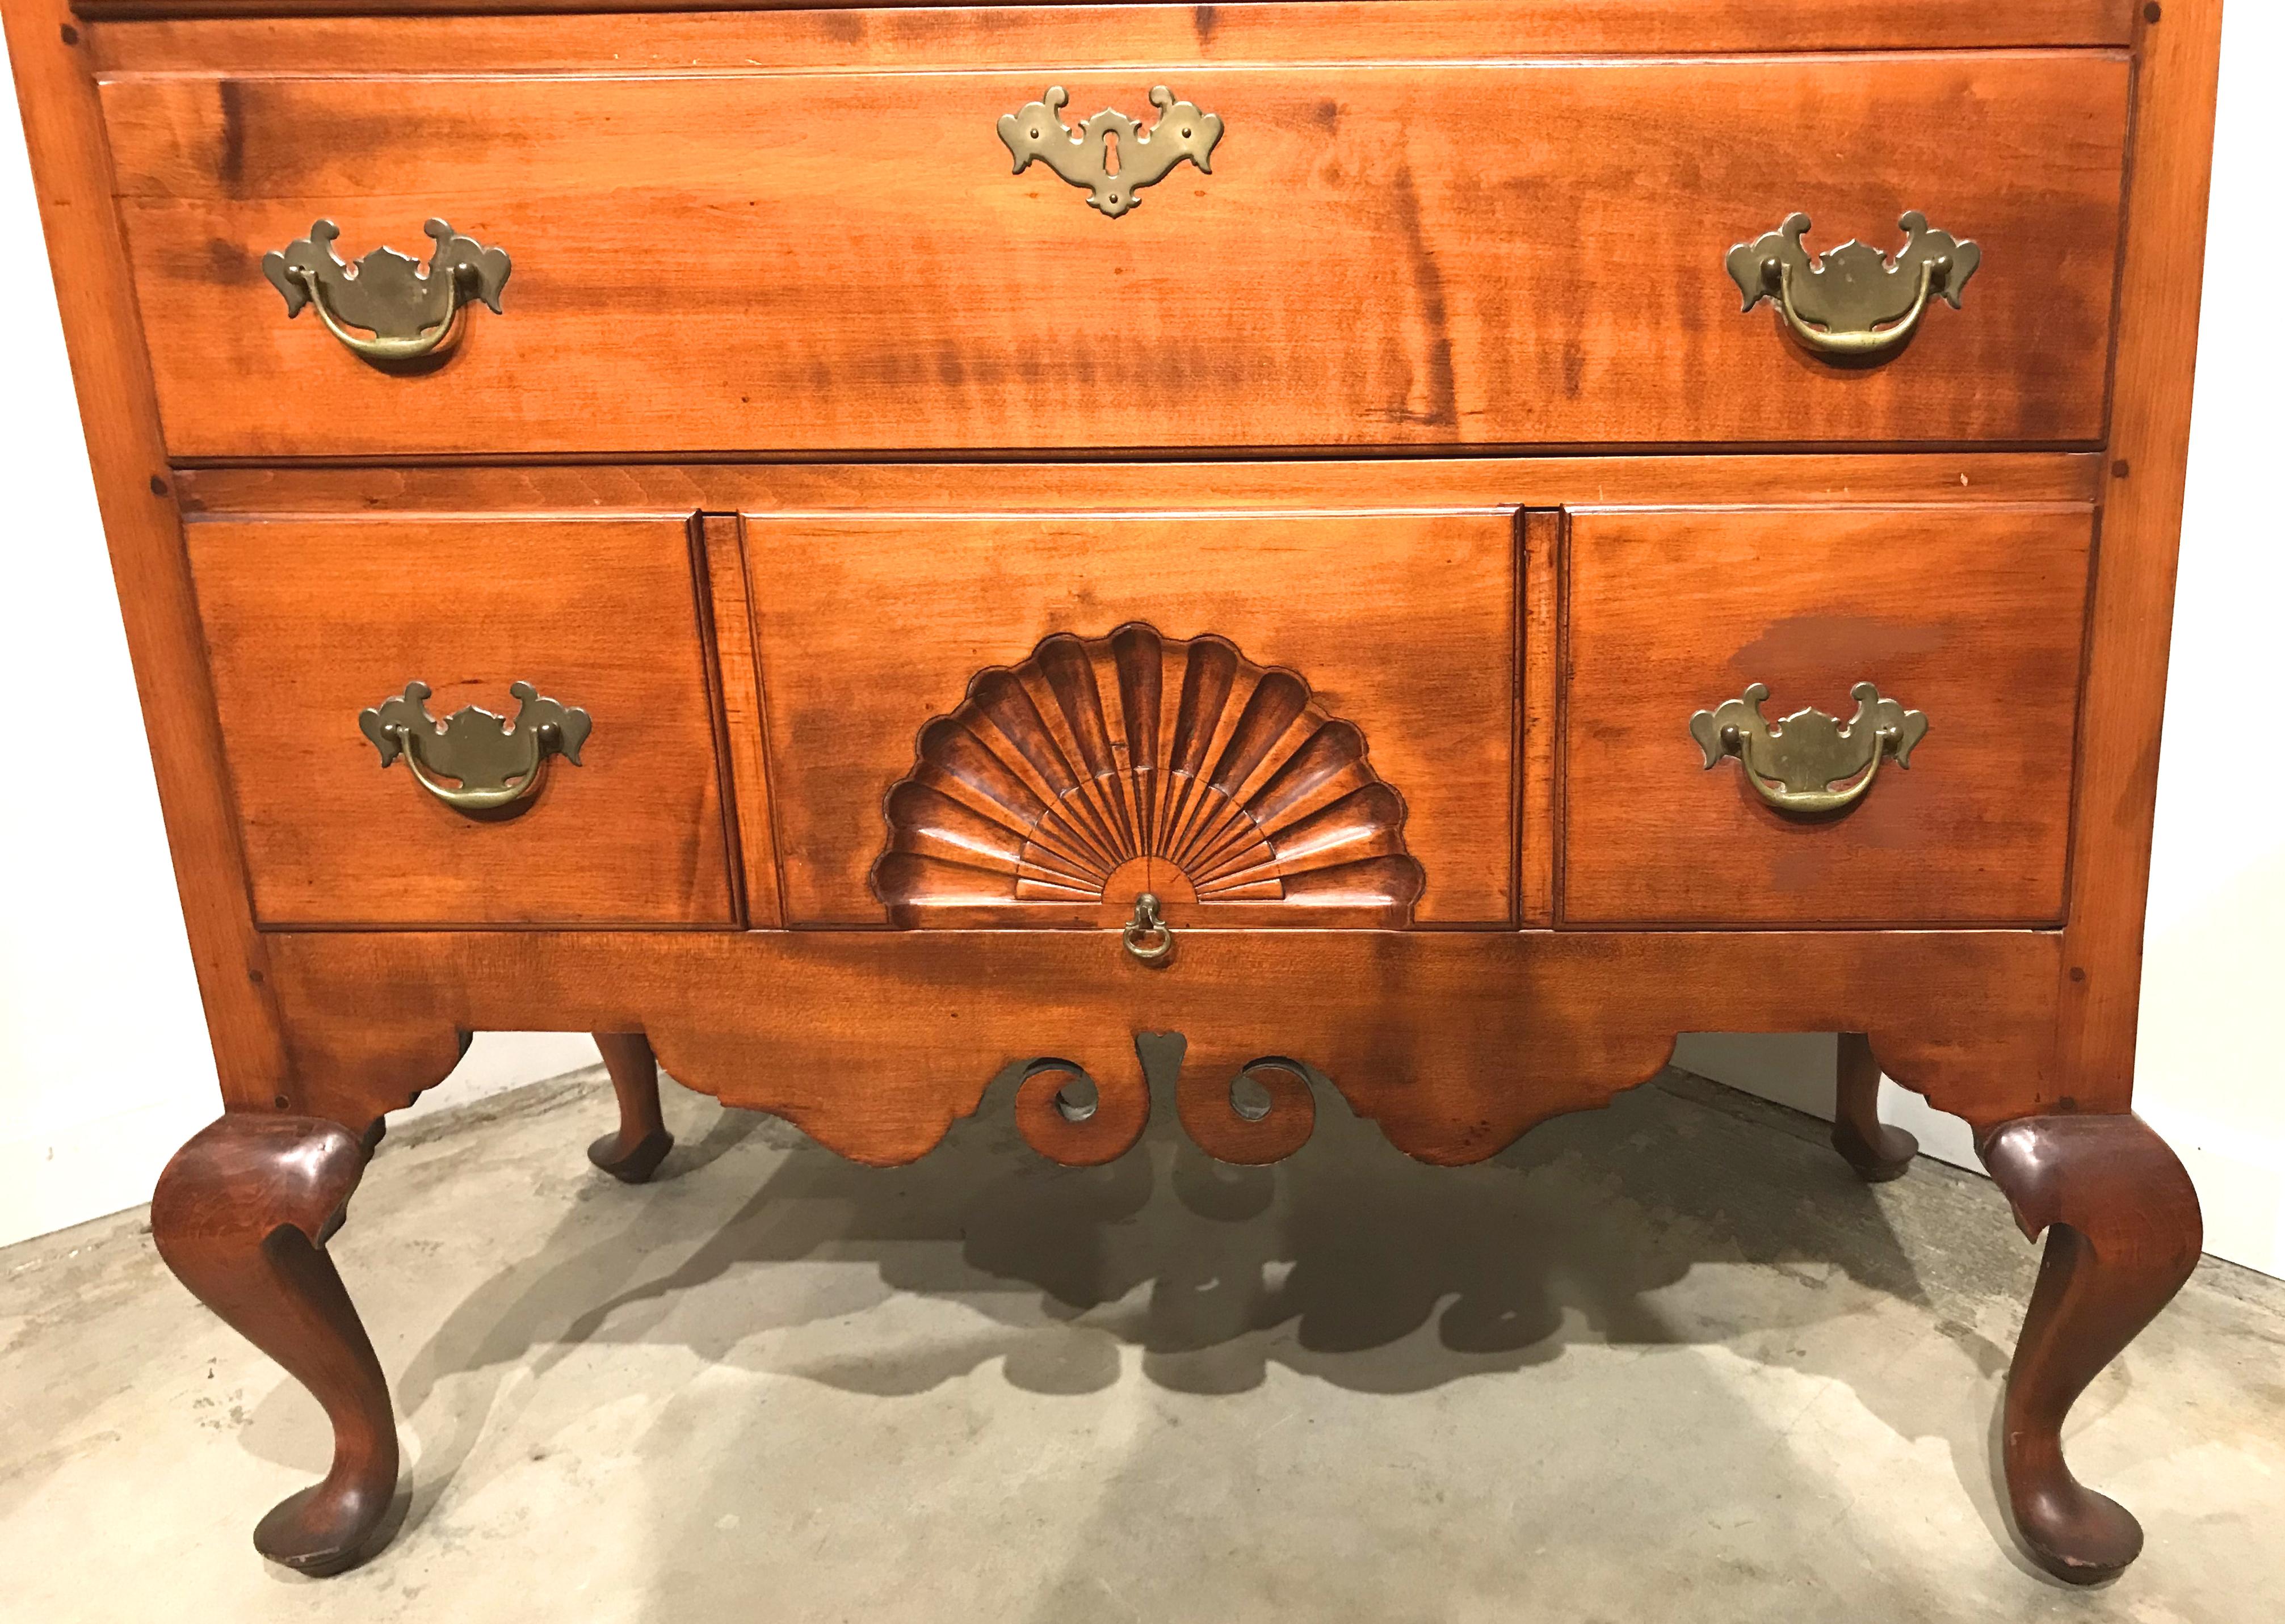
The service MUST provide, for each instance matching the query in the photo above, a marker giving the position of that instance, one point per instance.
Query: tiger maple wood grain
(772, 261)
(1401, 624)
(1454, 1040)
(1975, 616)
(111, 374)
(308, 622)
(379, 33)
(673, 489)
(2100, 995)
(1473, 253)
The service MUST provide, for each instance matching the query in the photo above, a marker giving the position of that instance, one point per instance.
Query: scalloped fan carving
(1136, 755)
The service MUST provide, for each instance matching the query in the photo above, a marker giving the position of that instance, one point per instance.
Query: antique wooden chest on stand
(1431, 545)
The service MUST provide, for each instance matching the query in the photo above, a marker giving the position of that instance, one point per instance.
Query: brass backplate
(1854, 289)
(385, 293)
(496, 761)
(1810, 762)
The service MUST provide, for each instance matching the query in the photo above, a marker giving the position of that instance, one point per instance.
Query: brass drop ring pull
(437, 340)
(1809, 764)
(1854, 304)
(495, 764)
(463, 796)
(1147, 936)
(410, 315)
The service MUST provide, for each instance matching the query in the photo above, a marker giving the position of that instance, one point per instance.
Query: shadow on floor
(1332, 1264)
(1351, 1245)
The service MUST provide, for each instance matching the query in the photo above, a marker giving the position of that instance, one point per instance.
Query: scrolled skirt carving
(1250, 1111)
(876, 1043)
(1079, 1118)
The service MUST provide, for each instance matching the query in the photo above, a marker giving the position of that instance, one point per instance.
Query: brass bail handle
(407, 314)
(1794, 764)
(437, 340)
(1854, 304)
(475, 799)
(1849, 345)
(1147, 936)
(495, 764)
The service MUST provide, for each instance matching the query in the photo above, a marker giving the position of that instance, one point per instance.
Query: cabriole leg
(1877, 1151)
(2123, 1235)
(237, 1216)
(633, 1153)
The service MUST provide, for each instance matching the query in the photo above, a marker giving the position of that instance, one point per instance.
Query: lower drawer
(1025, 721)
(1965, 621)
(310, 625)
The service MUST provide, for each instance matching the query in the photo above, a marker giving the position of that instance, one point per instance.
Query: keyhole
(1111, 152)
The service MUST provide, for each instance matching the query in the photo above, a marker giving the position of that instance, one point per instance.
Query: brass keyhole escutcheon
(1147, 936)
(1110, 154)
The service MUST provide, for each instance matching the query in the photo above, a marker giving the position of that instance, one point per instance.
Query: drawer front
(311, 624)
(1967, 622)
(1027, 720)
(1447, 253)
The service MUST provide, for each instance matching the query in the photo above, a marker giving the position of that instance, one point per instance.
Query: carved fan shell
(1143, 758)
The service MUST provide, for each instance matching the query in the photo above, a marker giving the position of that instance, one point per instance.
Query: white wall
(2208, 1074)
(104, 1066)
(103, 1062)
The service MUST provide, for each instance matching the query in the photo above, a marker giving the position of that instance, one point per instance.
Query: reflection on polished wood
(240, 1215)
(2123, 1235)
(801, 442)
(1379, 243)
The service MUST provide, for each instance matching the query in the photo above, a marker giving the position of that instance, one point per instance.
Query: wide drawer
(1956, 630)
(1486, 252)
(1019, 720)
(315, 628)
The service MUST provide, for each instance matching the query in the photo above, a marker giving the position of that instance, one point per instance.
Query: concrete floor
(1669, 1362)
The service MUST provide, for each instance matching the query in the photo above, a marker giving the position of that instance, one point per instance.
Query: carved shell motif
(1177, 766)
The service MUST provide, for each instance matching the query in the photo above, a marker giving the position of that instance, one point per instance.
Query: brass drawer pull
(496, 763)
(1147, 936)
(1794, 764)
(408, 314)
(1085, 157)
(1853, 305)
